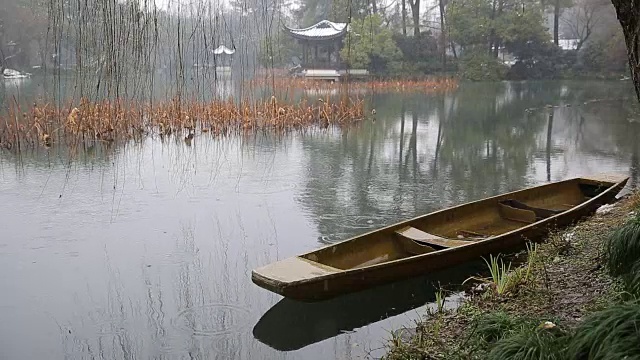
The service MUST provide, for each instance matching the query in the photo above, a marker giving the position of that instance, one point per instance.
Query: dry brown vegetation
(111, 120)
(397, 86)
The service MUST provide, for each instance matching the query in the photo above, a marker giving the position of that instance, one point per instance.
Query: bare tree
(415, 12)
(494, 42)
(583, 19)
(6, 56)
(629, 16)
(404, 17)
(20, 23)
(443, 42)
(556, 17)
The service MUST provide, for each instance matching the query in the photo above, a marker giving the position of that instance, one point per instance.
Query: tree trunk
(549, 133)
(556, 18)
(402, 115)
(415, 12)
(404, 17)
(374, 5)
(42, 53)
(492, 34)
(413, 143)
(629, 15)
(443, 42)
(635, 164)
(498, 42)
(2, 59)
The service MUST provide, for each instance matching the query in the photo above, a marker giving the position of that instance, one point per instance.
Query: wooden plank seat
(472, 235)
(514, 214)
(422, 237)
(413, 247)
(540, 213)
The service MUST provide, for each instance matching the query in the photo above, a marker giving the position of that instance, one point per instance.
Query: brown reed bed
(113, 120)
(434, 85)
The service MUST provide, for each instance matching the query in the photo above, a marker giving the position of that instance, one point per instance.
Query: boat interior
(458, 226)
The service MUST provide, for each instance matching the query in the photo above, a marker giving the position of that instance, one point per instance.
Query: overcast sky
(175, 4)
(184, 6)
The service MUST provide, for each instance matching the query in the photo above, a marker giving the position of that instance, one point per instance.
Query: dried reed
(396, 86)
(111, 120)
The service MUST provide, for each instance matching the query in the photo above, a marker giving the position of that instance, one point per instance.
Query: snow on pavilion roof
(223, 49)
(324, 30)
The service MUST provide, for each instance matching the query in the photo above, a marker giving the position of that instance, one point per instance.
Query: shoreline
(558, 284)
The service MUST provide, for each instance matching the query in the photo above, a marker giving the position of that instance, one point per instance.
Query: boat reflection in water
(291, 325)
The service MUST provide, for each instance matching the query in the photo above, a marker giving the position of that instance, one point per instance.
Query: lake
(144, 249)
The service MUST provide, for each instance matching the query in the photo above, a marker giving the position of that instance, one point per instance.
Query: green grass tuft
(503, 279)
(531, 343)
(613, 333)
(623, 247)
(631, 280)
(635, 200)
(493, 326)
(441, 297)
(401, 349)
(532, 260)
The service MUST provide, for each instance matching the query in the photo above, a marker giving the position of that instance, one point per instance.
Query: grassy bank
(571, 297)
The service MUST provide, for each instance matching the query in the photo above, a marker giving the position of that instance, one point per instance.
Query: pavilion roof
(324, 30)
(223, 49)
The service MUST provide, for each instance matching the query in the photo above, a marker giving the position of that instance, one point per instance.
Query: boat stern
(608, 178)
(288, 275)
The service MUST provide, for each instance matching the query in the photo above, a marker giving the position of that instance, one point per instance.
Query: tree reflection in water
(273, 196)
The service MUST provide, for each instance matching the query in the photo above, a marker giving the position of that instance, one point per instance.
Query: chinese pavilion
(223, 55)
(321, 44)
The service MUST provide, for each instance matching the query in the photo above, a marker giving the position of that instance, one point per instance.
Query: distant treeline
(121, 46)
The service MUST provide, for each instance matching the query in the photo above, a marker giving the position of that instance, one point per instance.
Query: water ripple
(110, 328)
(266, 188)
(213, 319)
(355, 221)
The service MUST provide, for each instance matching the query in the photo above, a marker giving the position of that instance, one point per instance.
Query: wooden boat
(437, 240)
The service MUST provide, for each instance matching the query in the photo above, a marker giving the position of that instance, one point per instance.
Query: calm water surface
(144, 250)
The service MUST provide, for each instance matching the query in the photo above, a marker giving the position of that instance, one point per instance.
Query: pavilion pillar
(305, 50)
(315, 57)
